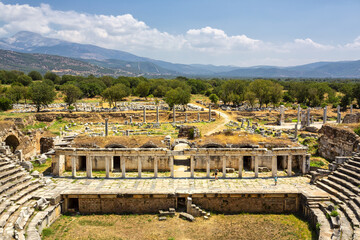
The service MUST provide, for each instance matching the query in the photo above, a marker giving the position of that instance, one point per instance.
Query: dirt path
(226, 119)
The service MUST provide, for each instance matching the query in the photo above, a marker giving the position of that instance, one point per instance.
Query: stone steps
(345, 184)
(325, 231)
(7, 167)
(4, 163)
(332, 192)
(6, 175)
(4, 206)
(354, 163)
(32, 231)
(349, 173)
(350, 215)
(33, 187)
(347, 178)
(19, 188)
(13, 184)
(346, 228)
(351, 167)
(339, 188)
(6, 215)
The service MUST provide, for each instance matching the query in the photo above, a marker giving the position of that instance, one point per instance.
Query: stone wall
(337, 141)
(152, 203)
(251, 203)
(352, 118)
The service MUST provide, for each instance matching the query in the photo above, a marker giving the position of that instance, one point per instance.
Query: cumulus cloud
(124, 32)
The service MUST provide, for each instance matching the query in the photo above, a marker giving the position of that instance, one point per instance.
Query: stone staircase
(18, 199)
(343, 186)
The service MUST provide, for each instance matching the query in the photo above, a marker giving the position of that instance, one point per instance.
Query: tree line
(41, 90)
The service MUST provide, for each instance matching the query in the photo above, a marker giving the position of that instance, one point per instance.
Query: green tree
(41, 94)
(143, 89)
(177, 96)
(15, 93)
(5, 104)
(250, 97)
(262, 90)
(115, 93)
(24, 80)
(53, 77)
(356, 93)
(214, 98)
(72, 93)
(35, 75)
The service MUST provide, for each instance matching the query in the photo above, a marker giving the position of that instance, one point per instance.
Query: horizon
(308, 35)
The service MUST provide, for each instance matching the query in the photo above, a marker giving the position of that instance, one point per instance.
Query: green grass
(35, 126)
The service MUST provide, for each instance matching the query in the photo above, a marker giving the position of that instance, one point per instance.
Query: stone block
(187, 216)
(27, 165)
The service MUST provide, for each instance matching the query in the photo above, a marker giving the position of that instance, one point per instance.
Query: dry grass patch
(240, 226)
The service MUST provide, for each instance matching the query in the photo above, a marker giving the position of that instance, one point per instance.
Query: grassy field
(241, 226)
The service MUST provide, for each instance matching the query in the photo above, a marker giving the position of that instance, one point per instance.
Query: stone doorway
(116, 164)
(181, 163)
(82, 163)
(281, 163)
(13, 142)
(247, 163)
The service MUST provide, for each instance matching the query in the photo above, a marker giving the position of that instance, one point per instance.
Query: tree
(143, 89)
(16, 92)
(262, 90)
(214, 98)
(24, 80)
(35, 75)
(5, 104)
(91, 87)
(53, 77)
(177, 96)
(72, 93)
(41, 94)
(250, 97)
(115, 93)
(356, 93)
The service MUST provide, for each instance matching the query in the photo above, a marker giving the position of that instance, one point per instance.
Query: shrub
(5, 104)
(334, 213)
(357, 130)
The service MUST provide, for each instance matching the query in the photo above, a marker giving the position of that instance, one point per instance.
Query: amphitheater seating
(343, 186)
(17, 199)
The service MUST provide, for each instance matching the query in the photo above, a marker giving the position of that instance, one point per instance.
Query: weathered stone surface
(352, 118)
(189, 132)
(27, 165)
(337, 141)
(187, 216)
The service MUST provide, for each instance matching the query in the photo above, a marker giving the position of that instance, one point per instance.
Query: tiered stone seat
(343, 187)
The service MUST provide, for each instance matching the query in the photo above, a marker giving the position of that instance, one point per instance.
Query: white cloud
(205, 45)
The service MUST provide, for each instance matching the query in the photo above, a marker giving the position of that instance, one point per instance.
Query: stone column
(131, 120)
(256, 166)
(248, 123)
(155, 167)
(296, 131)
(281, 121)
(144, 115)
(304, 164)
(123, 169)
(174, 116)
(157, 114)
(241, 165)
(298, 114)
(208, 166)
(88, 166)
(73, 166)
(107, 166)
(338, 115)
(139, 167)
(325, 115)
(186, 117)
(289, 170)
(106, 127)
(171, 164)
(224, 165)
(308, 117)
(198, 117)
(274, 165)
(192, 165)
(351, 108)
(209, 113)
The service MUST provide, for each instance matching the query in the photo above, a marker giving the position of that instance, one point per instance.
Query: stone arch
(212, 145)
(149, 144)
(13, 142)
(115, 145)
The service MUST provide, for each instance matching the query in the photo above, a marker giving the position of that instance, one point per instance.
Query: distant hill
(85, 59)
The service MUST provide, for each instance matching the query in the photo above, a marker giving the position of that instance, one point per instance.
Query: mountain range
(28, 51)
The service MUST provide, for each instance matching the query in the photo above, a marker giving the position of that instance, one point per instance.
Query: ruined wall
(352, 118)
(124, 116)
(252, 203)
(337, 141)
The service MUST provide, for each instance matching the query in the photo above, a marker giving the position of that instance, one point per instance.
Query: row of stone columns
(225, 159)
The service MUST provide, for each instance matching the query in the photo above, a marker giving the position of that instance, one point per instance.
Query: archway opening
(13, 142)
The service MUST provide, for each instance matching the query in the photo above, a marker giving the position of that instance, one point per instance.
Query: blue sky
(227, 32)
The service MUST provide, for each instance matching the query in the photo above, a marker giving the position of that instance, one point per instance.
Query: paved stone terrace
(178, 185)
